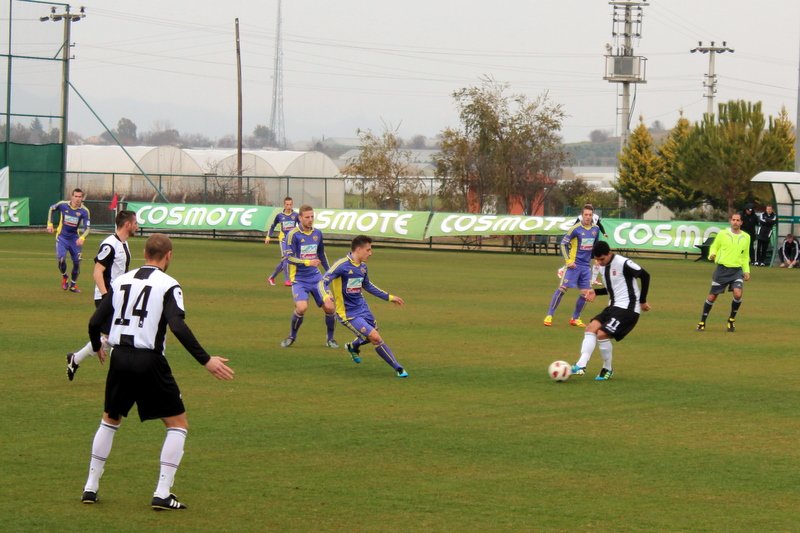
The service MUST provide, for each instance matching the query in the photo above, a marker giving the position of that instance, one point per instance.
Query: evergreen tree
(720, 158)
(640, 170)
(674, 192)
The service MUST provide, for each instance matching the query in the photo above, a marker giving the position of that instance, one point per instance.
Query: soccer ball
(559, 370)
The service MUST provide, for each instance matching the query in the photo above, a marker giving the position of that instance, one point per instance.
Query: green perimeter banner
(461, 224)
(203, 217)
(673, 235)
(664, 235)
(14, 212)
(397, 224)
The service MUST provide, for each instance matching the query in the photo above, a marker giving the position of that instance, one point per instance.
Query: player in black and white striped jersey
(112, 260)
(143, 303)
(626, 301)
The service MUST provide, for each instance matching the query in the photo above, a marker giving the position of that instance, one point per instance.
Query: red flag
(114, 202)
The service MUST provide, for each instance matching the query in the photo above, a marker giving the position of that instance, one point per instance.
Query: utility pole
(276, 116)
(710, 82)
(68, 18)
(797, 123)
(621, 65)
(239, 115)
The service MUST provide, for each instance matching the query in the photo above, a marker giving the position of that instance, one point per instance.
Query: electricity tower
(710, 82)
(276, 123)
(621, 65)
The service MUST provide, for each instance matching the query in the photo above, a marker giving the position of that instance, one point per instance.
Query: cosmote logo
(188, 216)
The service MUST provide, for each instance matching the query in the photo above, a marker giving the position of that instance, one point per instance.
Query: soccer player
(342, 285)
(112, 260)
(143, 303)
(576, 247)
(731, 251)
(626, 301)
(286, 220)
(71, 214)
(305, 252)
(595, 220)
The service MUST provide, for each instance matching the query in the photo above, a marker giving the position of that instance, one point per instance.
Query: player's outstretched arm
(396, 300)
(216, 365)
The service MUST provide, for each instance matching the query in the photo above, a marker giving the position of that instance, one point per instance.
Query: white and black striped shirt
(620, 276)
(144, 302)
(115, 256)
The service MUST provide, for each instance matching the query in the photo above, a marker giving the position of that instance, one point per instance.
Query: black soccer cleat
(170, 503)
(89, 497)
(731, 326)
(701, 326)
(72, 366)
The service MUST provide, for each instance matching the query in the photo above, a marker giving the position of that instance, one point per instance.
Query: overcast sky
(355, 64)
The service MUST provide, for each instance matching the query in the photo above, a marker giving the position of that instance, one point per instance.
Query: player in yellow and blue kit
(286, 221)
(305, 252)
(342, 286)
(72, 214)
(576, 247)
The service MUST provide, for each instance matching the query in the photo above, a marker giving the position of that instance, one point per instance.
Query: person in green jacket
(731, 252)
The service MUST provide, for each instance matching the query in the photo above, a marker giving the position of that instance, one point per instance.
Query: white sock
(605, 352)
(589, 342)
(101, 447)
(171, 454)
(83, 353)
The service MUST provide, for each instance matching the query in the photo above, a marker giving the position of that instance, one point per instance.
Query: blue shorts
(362, 326)
(579, 277)
(63, 246)
(301, 290)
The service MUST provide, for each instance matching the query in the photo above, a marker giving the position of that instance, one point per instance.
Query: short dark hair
(600, 248)
(288, 199)
(589, 206)
(358, 242)
(76, 190)
(304, 208)
(123, 217)
(157, 246)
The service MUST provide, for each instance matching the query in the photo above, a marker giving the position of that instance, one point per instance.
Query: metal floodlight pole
(68, 18)
(710, 82)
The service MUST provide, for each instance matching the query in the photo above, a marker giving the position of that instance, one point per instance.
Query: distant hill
(593, 154)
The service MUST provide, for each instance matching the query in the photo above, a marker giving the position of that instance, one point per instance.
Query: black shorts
(142, 377)
(726, 278)
(617, 322)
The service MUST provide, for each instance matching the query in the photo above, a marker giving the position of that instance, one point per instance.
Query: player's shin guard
(62, 265)
(386, 354)
(735, 305)
(587, 347)
(555, 301)
(706, 310)
(101, 448)
(171, 454)
(330, 323)
(278, 268)
(606, 349)
(358, 342)
(579, 305)
(83, 353)
(76, 270)
(297, 321)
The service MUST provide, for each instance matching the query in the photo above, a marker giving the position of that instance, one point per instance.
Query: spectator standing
(767, 221)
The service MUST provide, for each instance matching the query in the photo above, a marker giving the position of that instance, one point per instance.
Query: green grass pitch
(696, 432)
